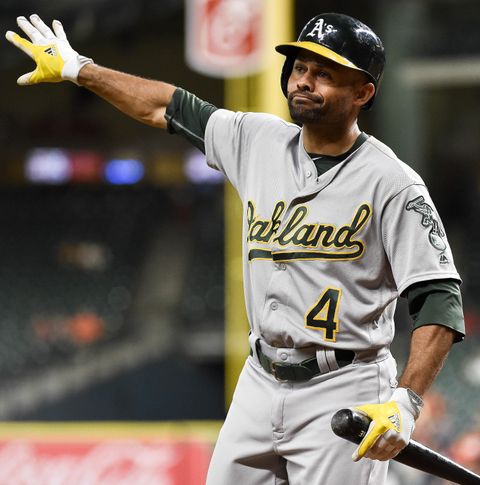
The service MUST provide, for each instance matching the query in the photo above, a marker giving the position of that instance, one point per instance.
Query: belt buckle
(273, 371)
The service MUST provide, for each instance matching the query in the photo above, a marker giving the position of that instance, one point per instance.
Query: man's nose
(305, 83)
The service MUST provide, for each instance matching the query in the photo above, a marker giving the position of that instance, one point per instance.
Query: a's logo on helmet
(320, 29)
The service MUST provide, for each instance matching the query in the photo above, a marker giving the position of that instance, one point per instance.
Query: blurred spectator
(472, 321)
(86, 328)
(466, 450)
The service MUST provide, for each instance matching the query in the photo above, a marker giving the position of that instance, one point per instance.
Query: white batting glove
(56, 60)
(392, 426)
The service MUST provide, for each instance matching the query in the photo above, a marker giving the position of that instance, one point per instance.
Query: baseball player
(335, 229)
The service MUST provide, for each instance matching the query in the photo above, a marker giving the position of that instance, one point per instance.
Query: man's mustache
(311, 97)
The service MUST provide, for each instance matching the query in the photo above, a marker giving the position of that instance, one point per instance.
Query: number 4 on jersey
(324, 314)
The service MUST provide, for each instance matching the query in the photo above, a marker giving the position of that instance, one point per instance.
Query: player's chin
(304, 114)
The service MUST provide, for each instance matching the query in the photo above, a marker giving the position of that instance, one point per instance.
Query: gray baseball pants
(278, 433)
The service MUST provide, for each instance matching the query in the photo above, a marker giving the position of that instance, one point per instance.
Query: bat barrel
(353, 426)
(422, 458)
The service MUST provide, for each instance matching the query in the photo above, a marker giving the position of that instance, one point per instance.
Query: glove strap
(408, 398)
(415, 399)
(71, 70)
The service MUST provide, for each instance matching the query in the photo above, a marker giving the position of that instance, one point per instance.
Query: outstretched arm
(142, 99)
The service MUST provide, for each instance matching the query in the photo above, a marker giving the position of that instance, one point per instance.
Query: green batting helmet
(342, 39)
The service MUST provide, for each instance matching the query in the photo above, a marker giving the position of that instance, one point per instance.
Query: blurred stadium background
(112, 247)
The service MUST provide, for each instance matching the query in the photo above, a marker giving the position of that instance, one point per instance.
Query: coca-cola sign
(103, 462)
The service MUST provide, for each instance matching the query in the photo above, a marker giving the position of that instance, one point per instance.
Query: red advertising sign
(103, 462)
(224, 37)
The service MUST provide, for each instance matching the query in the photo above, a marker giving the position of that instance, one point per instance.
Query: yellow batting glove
(392, 425)
(55, 59)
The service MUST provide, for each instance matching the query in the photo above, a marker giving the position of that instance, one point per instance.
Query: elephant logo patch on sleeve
(436, 234)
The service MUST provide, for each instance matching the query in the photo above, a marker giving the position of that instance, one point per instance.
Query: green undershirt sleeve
(187, 115)
(437, 302)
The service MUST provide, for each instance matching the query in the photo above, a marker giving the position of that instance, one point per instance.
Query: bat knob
(350, 425)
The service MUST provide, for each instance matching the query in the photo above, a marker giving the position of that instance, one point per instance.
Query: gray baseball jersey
(325, 258)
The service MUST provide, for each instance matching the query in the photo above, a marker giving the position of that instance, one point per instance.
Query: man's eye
(323, 74)
(299, 68)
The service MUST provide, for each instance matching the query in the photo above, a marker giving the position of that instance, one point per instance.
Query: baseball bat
(353, 426)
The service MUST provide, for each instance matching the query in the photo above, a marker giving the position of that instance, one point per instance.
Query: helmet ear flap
(286, 71)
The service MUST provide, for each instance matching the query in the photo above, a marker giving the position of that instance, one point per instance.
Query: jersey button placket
(274, 318)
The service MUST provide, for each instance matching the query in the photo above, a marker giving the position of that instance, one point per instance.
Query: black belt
(303, 371)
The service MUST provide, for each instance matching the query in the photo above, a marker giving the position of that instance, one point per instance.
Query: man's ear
(364, 94)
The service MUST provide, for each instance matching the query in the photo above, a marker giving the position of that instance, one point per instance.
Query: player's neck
(329, 141)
